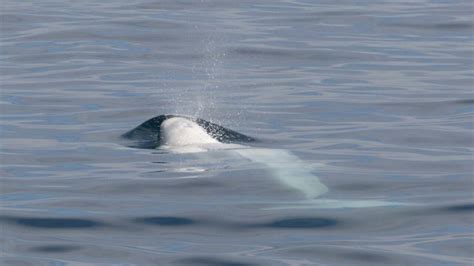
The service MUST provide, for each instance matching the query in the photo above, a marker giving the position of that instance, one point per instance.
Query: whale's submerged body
(181, 134)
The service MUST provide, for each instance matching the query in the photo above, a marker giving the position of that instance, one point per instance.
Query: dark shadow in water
(460, 209)
(469, 207)
(55, 248)
(431, 103)
(15, 262)
(208, 261)
(305, 222)
(51, 223)
(466, 101)
(366, 257)
(165, 221)
(287, 53)
(160, 162)
(343, 256)
(433, 26)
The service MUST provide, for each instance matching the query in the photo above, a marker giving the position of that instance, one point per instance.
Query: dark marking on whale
(148, 134)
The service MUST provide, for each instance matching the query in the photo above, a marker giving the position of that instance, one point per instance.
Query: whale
(149, 134)
(184, 134)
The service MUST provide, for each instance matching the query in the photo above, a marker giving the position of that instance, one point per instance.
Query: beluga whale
(185, 134)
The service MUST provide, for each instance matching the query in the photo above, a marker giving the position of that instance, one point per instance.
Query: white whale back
(177, 132)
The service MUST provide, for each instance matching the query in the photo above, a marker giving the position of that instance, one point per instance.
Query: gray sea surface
(376, 96)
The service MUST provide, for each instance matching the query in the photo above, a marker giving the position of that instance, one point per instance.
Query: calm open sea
(376, 96)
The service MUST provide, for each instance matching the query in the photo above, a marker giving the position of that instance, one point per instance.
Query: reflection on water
(55, 248)
(460, 208)
(51, 223)
(375, 96)
(165, 221)
(303, 223)
(211, 261)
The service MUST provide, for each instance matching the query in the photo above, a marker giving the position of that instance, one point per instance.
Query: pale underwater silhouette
(181, 134)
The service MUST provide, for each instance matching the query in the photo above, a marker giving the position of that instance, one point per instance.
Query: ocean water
(376, 97)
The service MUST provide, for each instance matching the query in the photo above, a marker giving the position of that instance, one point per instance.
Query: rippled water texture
(376, 97)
